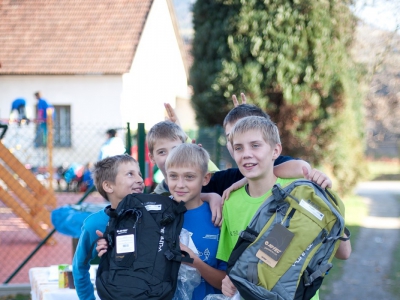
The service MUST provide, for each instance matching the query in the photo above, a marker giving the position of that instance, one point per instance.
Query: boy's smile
(185, 184)
(253, 155)
(160, 153)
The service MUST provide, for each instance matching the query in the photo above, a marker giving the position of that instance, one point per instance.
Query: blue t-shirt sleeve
(281, 159)
(221, 265)
(83, 285)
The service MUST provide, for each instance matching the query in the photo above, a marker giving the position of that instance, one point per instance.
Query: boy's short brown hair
(244, 110)
(164, 130)
(107, 170)
(188, 155)
(268, 129)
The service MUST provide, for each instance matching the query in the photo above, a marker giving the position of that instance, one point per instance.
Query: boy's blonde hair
(107, 170)
(164, 130)
(267, 128)
(188, 155)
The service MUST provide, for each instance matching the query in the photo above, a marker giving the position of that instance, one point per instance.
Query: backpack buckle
(110, 240)
(247, 236)
(169, 255)
(307, 279)
(278, 193)
(167, 219)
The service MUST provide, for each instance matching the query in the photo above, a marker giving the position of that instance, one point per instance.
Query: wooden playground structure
(35, 200)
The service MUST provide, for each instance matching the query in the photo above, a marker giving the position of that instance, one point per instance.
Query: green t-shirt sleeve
(285, 181)
(316, 296)
(225, 241)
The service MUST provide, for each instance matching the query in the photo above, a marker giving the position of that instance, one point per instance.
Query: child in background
(114, 177)
(161, 139)
(223, 182)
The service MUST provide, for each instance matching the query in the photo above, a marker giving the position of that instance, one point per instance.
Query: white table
(43, 287)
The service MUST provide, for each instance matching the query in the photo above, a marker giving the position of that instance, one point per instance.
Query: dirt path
(365, 273)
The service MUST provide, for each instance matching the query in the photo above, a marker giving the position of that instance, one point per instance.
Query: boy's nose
(180, 182)
(247, 152)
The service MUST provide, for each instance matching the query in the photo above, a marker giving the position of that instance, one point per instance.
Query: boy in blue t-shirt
(114, 177)
(186, 171)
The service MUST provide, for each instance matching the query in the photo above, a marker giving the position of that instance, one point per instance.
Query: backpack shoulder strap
(89, 255)
(112, 214)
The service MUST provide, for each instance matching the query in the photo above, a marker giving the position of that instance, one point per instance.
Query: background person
(19, 105)
(41, 119)
(112, 146)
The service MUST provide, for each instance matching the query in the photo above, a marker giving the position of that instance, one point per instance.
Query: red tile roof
(70, 36)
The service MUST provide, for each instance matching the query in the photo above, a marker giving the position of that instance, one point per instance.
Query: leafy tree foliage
(290, 57)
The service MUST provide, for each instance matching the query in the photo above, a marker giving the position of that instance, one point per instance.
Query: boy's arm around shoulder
(83, 285)
(299, 169)
(291, 168)
(215, 202)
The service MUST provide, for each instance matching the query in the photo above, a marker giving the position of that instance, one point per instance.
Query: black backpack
(150, 224)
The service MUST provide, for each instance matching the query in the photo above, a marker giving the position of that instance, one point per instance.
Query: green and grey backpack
(287, 248)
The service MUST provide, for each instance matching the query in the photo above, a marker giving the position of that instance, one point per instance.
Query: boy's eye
(256, 145)
(189, 176)
(237, 148)
(172, 176)
(161, 152)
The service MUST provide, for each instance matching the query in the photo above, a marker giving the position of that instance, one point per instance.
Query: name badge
(125, 242)
(275, 245)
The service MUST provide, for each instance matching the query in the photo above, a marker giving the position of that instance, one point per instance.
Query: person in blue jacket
(41, 119)
(114, 177)
(19, 105)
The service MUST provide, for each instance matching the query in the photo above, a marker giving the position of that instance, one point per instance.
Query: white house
(99, 63)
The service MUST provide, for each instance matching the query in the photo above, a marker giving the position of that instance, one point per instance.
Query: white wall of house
(95, 107)
(93, 98)
(157, 74)
(99, 102)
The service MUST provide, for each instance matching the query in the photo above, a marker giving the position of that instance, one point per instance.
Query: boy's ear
(206, 178)
(151, 158)
(277, 151)
(107, 187)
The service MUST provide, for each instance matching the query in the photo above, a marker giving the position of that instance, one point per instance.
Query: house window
(61, 128)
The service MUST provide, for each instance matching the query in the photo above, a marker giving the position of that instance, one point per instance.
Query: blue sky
(384, 14)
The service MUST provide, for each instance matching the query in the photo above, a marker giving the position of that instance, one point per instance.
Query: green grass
(384, 169)
(16, 297)
(394, 273)
(337, 270)
(356, 211)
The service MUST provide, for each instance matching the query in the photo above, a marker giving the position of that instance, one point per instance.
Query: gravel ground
(366, 272)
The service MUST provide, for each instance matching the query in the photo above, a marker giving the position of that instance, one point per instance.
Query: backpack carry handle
(347, 232)
(332, 197)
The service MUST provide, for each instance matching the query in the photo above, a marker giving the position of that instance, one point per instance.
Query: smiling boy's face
(162, 148)
(128, 180)
(253, 155)
(185, 183)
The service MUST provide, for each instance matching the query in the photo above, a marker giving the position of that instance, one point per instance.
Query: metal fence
(18, 239)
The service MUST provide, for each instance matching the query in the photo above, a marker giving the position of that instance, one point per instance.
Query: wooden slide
(34, 198)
